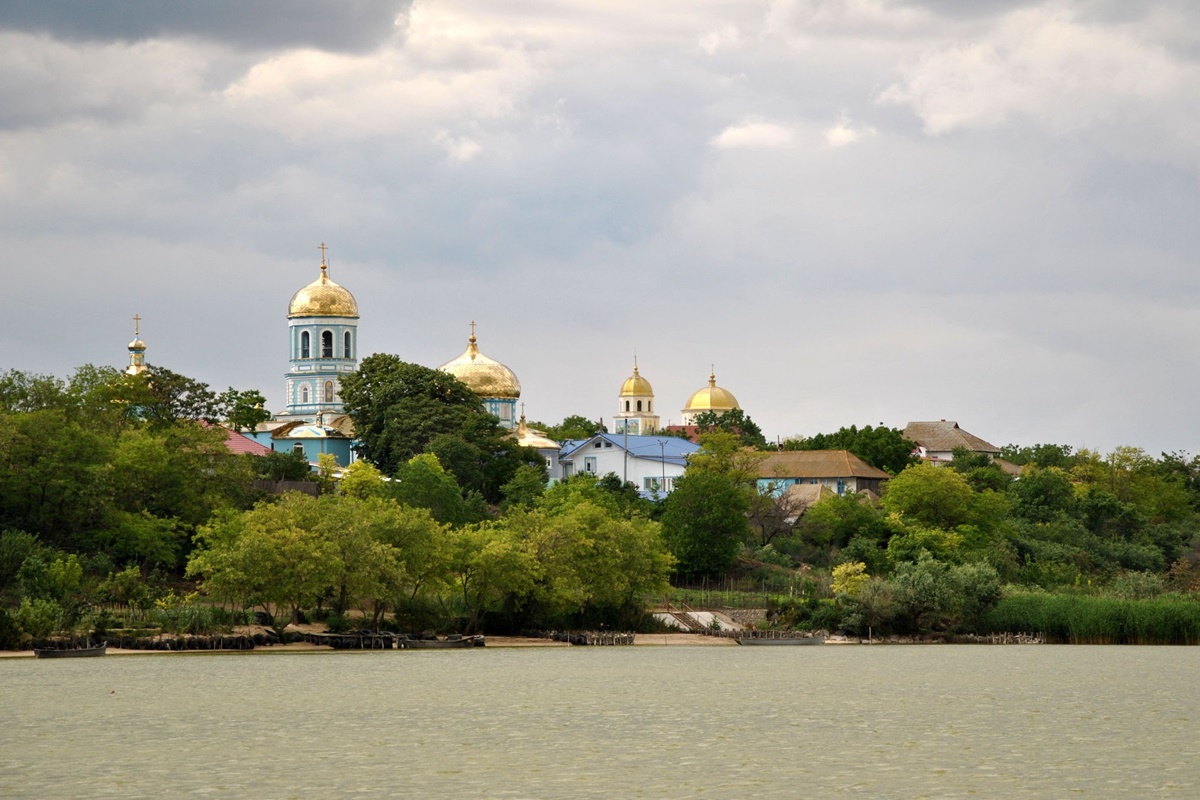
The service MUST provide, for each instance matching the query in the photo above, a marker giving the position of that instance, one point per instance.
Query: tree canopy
(880, 446)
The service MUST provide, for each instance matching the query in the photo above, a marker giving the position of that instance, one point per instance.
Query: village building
(936, 441)
(652, 463)
(840, 471)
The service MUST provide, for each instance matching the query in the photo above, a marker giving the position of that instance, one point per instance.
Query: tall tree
(882, 447)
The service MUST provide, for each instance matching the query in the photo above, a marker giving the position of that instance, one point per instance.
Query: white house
(652, 463)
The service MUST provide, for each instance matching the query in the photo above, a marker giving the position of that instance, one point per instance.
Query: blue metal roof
(671, 449)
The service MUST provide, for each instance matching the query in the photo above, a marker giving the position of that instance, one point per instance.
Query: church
(323, 347)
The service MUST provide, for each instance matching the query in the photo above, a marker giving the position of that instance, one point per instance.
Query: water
(645, 722)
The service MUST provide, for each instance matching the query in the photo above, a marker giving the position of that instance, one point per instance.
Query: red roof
(239, 444)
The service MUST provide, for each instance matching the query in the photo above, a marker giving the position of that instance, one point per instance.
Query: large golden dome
(711, 398)
(323, 298)
(635, 385)
(482, 375)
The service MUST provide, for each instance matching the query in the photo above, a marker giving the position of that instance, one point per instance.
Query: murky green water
(653, 722)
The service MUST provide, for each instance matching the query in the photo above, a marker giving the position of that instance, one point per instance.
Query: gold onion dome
(530, 437)
(711, 398)
(636, 385)
(323, 298)
(482, 375)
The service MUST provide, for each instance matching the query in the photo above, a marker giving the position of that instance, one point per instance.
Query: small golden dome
(635, 385)
(529, 437)
(323, 298)
(482, 375)
(711, 398)
(137, 344)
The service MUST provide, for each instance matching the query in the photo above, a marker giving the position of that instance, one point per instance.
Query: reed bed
(1091, 619)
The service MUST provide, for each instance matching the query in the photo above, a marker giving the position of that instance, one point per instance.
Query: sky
(855, 212)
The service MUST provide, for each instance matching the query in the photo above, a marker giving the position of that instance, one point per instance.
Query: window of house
(326, 344)
(346, 345)
(841, 486)
(598, 444)
(305, 350)
(328, 391)
(589, 464)
(298, 449)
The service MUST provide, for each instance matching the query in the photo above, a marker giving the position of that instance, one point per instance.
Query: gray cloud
(336, 25)
(901, 212)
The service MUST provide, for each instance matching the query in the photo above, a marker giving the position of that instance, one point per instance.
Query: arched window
(328, 391)
(639, 405)
(627, 405)
(326, 344)
(649, 406)
(304, 393)
(298, 449)
(305, 350)
(346, 345)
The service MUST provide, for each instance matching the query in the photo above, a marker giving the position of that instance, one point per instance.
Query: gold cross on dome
(137, 326)
(323, 248)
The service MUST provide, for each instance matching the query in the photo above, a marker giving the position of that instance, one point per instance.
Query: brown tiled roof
(817, 464)
(944, 436)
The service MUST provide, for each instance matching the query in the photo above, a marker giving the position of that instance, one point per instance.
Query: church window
(639, 405)
(346, 345)
(650, 406)
(326, 344)
(304, 394)
(304, 346)
(328, 391)
(626, 406)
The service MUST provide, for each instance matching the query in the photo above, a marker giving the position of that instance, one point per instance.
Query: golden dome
(323, 298)
(711, 398)
(530, 437)
(635, 385)
(137, 344)
(482, 375)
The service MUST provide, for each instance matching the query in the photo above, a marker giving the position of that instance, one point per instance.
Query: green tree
(488, 564)
(272, 557)
(736, 422)
(1043, 494)
(398, 408)
(244, 410)
(422, 483)
(362, 480)
(572, 427)
(980, 471)
(882, 447)
(1039, 455)
(704, 522)
(527, 486)
(932, 496)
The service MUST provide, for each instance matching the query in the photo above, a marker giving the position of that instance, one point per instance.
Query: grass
(1091, 619)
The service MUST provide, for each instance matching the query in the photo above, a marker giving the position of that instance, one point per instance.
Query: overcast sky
(859, 212)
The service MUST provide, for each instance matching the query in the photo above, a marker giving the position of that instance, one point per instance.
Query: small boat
(91, 651)
(789, 640)
(449, 643)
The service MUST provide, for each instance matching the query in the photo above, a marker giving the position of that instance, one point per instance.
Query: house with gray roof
(936, 441)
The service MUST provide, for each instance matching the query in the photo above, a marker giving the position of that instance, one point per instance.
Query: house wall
(777, 486)
(610, 458)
